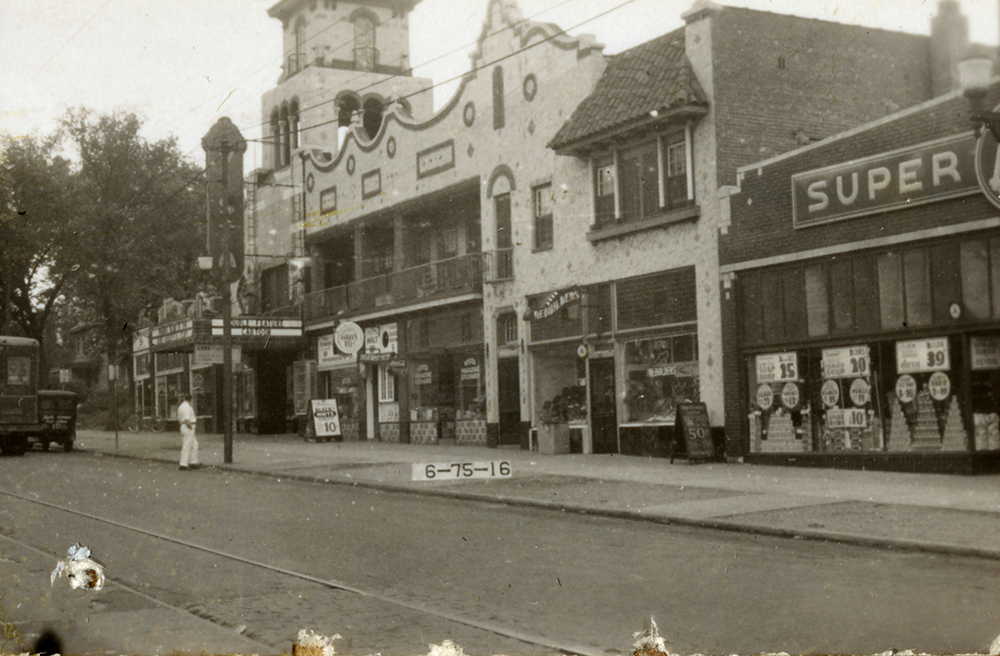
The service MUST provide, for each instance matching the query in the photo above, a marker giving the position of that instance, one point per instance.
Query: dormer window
(643, 180)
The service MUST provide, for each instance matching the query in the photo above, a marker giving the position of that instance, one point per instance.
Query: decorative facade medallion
(530, 87)
(350, 165)
(390, 147)
(310, 182)
(469, 114)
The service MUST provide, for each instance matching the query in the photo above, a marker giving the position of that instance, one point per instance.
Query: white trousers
(189, 447)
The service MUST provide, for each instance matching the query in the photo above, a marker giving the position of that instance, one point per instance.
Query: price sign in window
(849, 362)
(922, 355)
(777, 367)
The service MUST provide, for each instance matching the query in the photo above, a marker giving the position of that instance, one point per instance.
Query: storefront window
(985, 364)
(848, 417)
(561, 386)
(924, 396)
(781, 412)
(423, 390)
(660, 373)
(472, 390)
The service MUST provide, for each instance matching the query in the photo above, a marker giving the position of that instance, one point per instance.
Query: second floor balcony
(439, 280)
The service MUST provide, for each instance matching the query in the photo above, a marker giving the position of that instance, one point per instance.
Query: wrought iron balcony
(498, 265)
(436, 280)
(365, 59)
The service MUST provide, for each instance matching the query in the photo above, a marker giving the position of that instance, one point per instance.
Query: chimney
(949, 46)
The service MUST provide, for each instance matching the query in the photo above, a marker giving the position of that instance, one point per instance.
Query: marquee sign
(260, 327)
(926, 173)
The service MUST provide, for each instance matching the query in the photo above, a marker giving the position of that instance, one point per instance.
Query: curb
(853, 539)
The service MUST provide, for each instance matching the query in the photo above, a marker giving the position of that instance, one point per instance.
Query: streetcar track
(491, 627)
(122, 586)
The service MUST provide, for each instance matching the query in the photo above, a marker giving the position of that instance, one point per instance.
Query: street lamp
(975, 75)
(225, 140)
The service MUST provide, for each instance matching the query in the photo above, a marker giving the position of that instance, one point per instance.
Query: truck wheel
(20, 447)
(68, 446)
(45, 444)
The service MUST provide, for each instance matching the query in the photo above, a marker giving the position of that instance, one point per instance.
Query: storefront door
(509, 390)
(603, 417)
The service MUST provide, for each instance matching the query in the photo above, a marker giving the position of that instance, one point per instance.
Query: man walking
(189, 447)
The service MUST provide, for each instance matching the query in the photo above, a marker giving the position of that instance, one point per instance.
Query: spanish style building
(536, 262)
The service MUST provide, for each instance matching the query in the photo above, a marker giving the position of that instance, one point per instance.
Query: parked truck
(18, 393)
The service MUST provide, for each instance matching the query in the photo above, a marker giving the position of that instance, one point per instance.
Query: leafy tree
(138, 222)
(36, 214)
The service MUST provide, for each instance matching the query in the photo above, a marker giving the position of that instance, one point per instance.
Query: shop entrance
(272, 395)
(509, 390)
(603, 416)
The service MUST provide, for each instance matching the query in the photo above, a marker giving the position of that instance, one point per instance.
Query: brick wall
(775, 75)
(761, 213)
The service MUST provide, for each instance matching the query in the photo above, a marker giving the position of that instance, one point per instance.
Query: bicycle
(135, 423)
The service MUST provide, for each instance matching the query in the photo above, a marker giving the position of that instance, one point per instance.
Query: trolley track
(537, 642)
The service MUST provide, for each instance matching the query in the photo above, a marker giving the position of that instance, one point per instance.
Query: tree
(36, 192)
(138, 222)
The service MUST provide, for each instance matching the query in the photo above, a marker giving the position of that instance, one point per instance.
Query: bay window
(643, 180)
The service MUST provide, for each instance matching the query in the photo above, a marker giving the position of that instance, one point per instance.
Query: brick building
(538, 257)
(860, 310)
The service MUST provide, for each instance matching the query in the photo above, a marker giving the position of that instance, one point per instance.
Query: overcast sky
(180, 64)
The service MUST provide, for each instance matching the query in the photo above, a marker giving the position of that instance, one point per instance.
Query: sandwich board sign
(326, 419)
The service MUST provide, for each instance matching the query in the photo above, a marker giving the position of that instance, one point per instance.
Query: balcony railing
(425, 282)
(365, 59)
(498, 265)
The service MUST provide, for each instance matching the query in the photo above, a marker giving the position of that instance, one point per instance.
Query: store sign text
(554, 303)
(777, 367)
(890, 181)
(849, 362)
(922, 355)
(985, 353)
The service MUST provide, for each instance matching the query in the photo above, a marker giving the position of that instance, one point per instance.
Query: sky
(181, 64)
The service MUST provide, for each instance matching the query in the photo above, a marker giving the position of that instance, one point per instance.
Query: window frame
(386, 381)
(543, 224)
(612, 177)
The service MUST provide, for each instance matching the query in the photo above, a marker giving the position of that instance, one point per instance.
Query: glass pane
(817, 302)
(842, 295)
(890, 291)
(975, 279)
(917, 288)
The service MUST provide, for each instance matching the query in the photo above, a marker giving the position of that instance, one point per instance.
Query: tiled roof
(655, 75)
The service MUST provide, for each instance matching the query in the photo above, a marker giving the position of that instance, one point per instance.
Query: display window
(848, 415)
(660, 373)
(924, 396)
(561, 385)
(781, 415)
(471, 389)
(423, 389)
(984, 361)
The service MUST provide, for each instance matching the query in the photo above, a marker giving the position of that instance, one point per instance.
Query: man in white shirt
(189, 447)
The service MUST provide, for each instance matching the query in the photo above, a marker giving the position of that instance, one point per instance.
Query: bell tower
(342, 63)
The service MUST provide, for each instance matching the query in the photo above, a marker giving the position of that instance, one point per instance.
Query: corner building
(536, 263)
(862, 319)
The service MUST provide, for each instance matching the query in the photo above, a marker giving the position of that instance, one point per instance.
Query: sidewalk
(958, 515)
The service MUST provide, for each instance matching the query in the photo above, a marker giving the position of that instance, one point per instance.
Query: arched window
(365, 54)
(293, 123)
(373, 116)
(297, 61)
(286, 153)
(497, 98)
(346, 106)
(275, 139)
